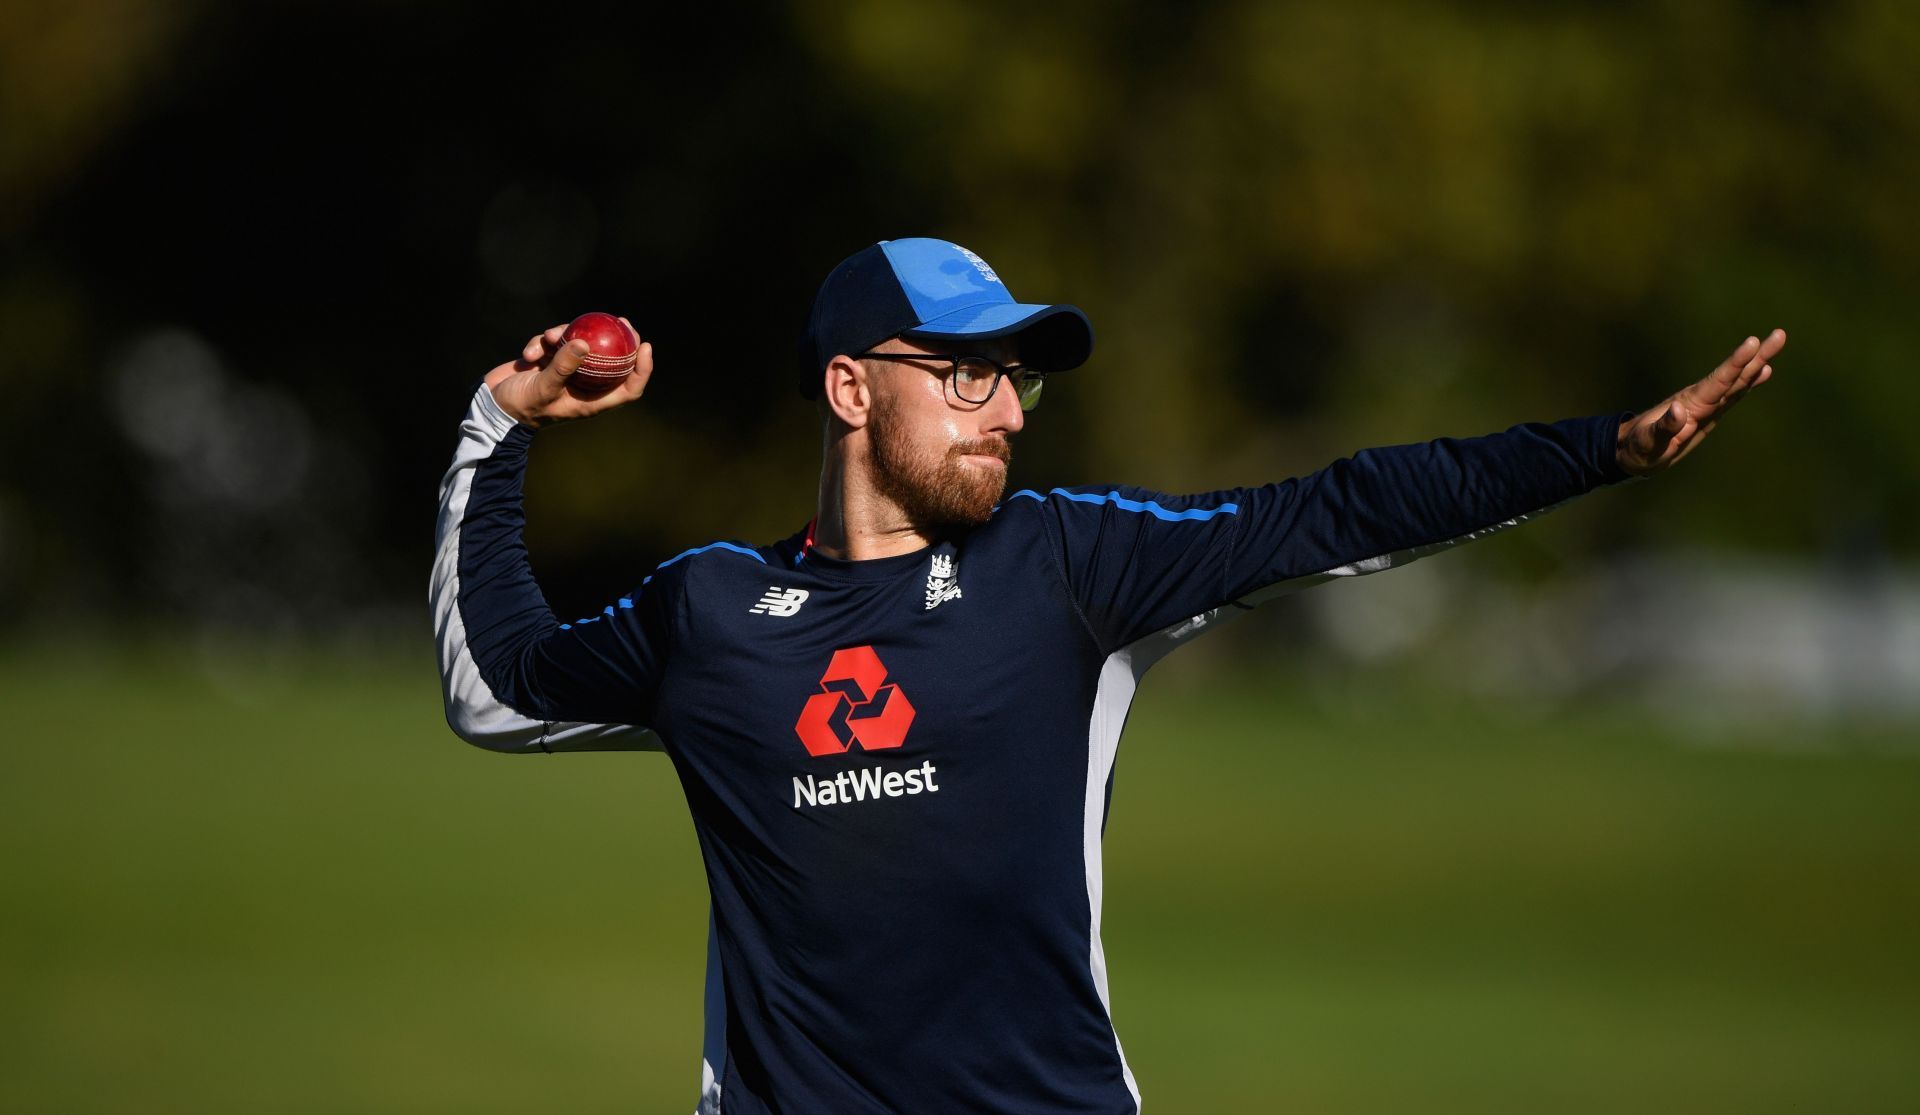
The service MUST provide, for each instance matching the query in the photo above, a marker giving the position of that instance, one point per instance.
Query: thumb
(1672, 422)
(566, 360)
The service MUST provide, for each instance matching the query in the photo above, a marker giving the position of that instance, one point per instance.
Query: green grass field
(295, 891)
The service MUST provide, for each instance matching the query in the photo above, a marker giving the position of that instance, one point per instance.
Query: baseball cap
(927, 289)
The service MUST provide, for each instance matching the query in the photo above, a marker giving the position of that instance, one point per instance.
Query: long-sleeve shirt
(899, 769)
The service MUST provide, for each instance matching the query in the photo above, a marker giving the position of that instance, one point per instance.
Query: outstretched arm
(1139, 562)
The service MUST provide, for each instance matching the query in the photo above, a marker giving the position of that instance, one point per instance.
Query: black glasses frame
(1023, 377)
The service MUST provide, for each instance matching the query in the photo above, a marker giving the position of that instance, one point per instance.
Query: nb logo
(856, 704)
(779, 602)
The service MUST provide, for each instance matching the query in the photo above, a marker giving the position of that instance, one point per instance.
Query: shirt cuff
(1606, 448)
(487, 410)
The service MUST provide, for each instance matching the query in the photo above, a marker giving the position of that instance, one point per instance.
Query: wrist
(510, 407)
(1623, 456)
(501, 413)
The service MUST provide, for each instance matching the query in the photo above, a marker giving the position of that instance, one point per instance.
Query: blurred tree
(1299, 229)
(1421, 218)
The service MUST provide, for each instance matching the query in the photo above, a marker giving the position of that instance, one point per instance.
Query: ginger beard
(935, 487)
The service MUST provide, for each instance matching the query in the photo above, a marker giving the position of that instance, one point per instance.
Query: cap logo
(980, 265)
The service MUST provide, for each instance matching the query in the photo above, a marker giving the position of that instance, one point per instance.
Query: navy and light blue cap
(930, 290)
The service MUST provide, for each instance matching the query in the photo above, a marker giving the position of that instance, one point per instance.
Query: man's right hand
(533, 388)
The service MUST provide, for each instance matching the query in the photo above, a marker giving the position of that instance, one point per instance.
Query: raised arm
(512, 678)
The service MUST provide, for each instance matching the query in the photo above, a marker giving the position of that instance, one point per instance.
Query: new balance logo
(941, 583)
(779, 602)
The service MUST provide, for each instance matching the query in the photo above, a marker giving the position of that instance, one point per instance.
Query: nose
(1002, 414)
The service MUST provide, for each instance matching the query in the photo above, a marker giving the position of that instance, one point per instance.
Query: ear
(848, 391)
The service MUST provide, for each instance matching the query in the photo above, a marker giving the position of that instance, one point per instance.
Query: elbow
(494, 727)
(479, 717)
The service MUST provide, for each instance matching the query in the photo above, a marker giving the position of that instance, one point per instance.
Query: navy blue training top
(898, 769)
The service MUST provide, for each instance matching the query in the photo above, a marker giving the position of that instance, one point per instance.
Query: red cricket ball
(612, 350)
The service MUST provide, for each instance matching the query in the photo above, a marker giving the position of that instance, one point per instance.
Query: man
(895, 728)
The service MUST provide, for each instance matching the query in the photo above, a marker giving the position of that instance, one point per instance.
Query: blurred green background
(1614, 811)
(291, 889)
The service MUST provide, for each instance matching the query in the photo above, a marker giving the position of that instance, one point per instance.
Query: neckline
(864, 569)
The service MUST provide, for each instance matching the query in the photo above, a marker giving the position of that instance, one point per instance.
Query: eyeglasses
(975, 378)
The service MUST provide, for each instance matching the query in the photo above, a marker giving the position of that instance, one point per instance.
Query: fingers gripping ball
(612, 351)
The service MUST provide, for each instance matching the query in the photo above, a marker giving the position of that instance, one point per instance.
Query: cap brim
(1052, 338)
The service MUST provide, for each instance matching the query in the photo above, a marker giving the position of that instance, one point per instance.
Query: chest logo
(942, 581)
(856, 704)
(779, 602)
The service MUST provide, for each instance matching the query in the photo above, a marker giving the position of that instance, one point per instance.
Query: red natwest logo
(856, 704)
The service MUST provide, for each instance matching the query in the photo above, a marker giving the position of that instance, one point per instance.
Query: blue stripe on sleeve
(1125, 504)
(754, 554)
(627, 601)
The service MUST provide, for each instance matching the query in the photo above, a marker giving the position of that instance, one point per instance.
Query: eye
(973, 372)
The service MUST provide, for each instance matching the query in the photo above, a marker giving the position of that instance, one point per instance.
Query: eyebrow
(959, 351)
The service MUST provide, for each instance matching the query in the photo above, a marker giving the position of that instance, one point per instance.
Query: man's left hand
(1653, 440)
